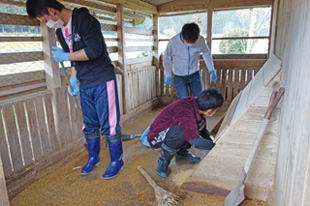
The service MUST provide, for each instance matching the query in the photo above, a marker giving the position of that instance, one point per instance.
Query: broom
(162, 197)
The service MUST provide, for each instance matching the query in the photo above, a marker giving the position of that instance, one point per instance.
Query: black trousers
(174, 139)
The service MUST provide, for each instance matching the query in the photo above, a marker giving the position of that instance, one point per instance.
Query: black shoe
(185, 154)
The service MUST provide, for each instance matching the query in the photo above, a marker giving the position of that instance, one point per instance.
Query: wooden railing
(232, 77)
(36, 132)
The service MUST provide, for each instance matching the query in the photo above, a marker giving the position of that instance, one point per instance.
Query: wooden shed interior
(40, 123)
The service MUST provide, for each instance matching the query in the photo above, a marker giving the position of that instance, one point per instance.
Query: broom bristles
(165, 198)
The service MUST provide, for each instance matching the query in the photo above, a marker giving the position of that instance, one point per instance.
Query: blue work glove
(75, 87)
(213, 76)
(168, 81)
(59, 55)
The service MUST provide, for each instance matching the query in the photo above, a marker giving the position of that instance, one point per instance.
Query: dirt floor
(66, 186)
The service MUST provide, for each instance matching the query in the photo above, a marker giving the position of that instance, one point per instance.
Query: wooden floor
(219, 172)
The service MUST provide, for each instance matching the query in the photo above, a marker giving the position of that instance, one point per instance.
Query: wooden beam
(121, 52)
(136, 5)
(17, 57)
(209, 28)
(156, 54)
(20, 38)
(14, 19)
(185, 5)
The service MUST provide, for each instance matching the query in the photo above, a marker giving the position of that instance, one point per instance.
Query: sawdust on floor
(66, 186)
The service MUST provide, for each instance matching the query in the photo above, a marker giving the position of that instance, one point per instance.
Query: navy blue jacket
(87, 35)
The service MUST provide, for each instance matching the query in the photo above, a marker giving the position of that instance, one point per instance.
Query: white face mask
(55, 24)
(188, 44)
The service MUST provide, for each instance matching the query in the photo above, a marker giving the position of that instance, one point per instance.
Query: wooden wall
(292, 179)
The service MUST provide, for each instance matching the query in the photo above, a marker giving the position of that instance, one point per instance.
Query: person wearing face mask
(185, 49)
(79, 34)
(182, 124)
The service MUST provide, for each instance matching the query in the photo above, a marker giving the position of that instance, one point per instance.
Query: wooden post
(4, 198)
(156, 54)
(52, 71)
(121, 51)
(209, 28)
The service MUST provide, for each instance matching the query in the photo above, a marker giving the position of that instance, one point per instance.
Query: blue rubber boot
(167, 154)
(93, 147)
(116, 154)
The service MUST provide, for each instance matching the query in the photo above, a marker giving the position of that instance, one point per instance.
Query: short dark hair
(210, 98)
(190, 32)
(37, 8)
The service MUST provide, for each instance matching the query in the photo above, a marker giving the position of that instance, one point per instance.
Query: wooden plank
(139, 60)
(18, 78)
(4, 198)
(42, 125)
(240, 56)
(236, 82)
(14, 19)
(242, 80)
(23, 132)
(230, 84)
(20, 38)
(239, 63)
(34, 130)
(50, 123)
(136, 5)
(121, 53)
(22, 89)
(112, 49)
(12, 135)
(17, 57)
(73, 118)
(138, 48)
(133, 30)
(63, 117)
(4, 151)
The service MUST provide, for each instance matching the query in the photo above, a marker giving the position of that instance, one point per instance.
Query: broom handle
(147, 177)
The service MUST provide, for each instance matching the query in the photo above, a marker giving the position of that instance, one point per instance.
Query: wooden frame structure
(38, 119)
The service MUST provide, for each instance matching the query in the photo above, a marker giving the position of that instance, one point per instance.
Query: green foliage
(234, 46)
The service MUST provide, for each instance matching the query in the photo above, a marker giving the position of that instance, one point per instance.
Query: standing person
(82, 43)
(182, 124)
(185, 49)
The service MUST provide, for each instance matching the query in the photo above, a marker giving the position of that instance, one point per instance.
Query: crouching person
(181, 125)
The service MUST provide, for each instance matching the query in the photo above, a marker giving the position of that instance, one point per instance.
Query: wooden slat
(17, 57)
(4, 198)
(20, 38)
(22, 89)
(112, 49)
(12, 135)
(63, 114)
(50, 122)
(239, 63)
(240, 56)
(236, 82)
(7, 167)
(132, 30)
(230, 85)
(138, 48)
(14, 19)
(242, 81)
(139, 60)
(19, 78)
(223, 83)
(42, 125)
(74, 118)
(23, 131)
(108, 27)
(34, 130)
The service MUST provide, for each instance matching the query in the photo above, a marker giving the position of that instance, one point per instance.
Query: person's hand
(168, 81)
(75, 87)
(59, 55)
(213, 76)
